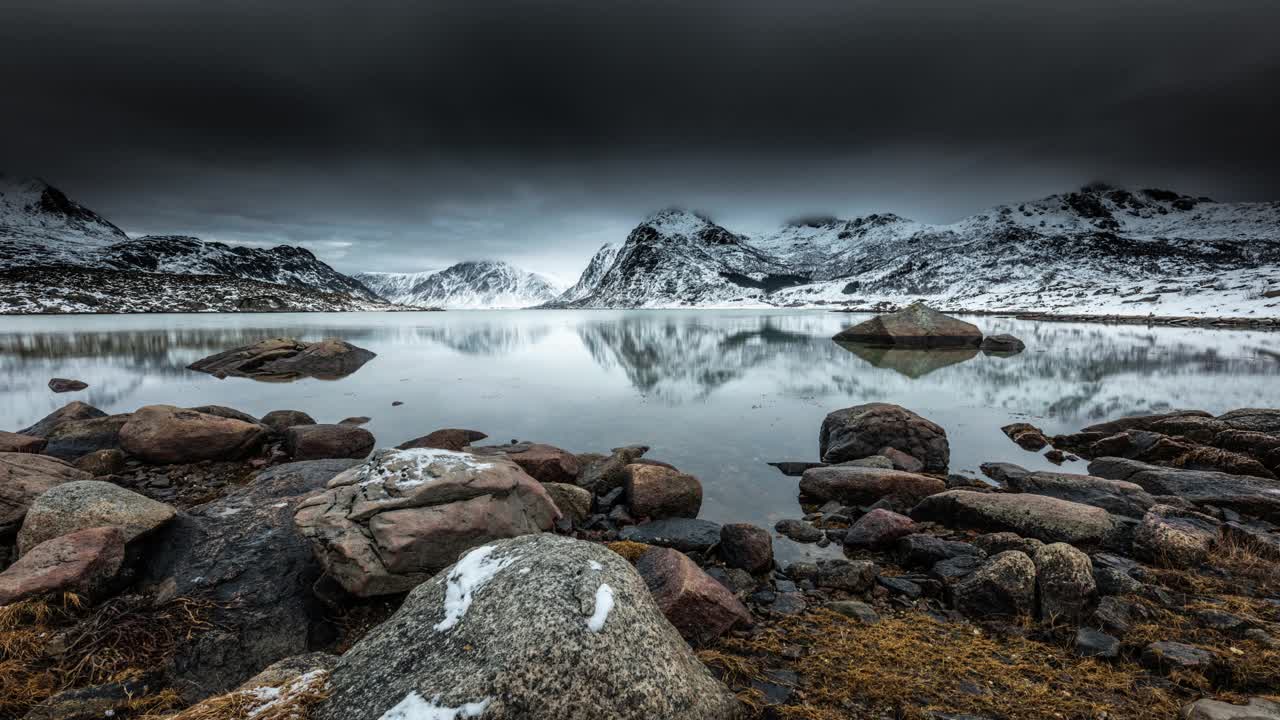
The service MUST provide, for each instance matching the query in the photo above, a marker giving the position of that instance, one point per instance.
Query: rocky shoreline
(585, 584)
(1251, 323)
(201, 563)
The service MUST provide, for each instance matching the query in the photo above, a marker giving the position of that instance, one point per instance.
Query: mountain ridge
(1100, 248)
(471, 284)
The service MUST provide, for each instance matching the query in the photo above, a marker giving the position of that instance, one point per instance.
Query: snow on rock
(415, 466)
(467, 577)
(604, 603)
(484, 284)
(414, 707)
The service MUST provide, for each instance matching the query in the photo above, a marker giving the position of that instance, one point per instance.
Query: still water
(717, 393)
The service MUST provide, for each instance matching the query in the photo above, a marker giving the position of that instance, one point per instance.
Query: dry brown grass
(47, 646)
(909, 665)
(628, 549)
(292, 700)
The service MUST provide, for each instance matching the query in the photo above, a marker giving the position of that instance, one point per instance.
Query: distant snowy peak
(31, 204)
(390, 285)
(600, 264)
(480, 284)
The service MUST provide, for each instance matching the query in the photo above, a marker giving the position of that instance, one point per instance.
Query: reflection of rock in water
(912, 362)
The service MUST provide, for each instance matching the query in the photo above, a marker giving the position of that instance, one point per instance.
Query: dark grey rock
(243, 552)
(1114, 496)
(900, 586)
(1064, 582)
(953, 570)
(798, 530)
(1004, 585)
(683, 534)
(922, 550)
(1095, 643)
(1242, 493)
(1169, 656)
(856, 610)
(848, 575)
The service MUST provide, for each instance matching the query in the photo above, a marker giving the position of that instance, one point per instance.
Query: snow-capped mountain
(40, 228)
(1099, 249)
(481, 284)
(591, 277)
(390, 286)
(679, 258)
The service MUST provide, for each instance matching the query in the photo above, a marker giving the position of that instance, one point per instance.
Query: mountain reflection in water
(718, 393)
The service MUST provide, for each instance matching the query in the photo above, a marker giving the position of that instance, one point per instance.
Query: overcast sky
(403, 136)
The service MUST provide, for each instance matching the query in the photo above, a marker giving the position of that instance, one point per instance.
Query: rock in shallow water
(536, 627)
(287, 359)
(863, 430)
(916, 325)
(683, 534)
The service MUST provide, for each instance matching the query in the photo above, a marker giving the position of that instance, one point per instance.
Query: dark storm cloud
(382, 133)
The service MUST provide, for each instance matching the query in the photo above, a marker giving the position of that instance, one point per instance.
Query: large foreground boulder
(863, 430)
(391, 523)
(855, 485)
(23, 478)
(1033, 516)
(83, 504)
(243, 552)
(536, 627)
(287, 359)
(165, 435)
(916, 325)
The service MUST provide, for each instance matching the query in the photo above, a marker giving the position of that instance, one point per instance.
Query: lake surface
(717, 393)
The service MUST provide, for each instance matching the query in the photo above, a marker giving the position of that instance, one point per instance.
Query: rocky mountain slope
(467, 285)
(46, 237)
(1099, 249)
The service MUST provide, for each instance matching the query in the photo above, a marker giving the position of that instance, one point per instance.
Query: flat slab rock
(1035, 516)
(683, 534)
(280, 359)
(540, 626)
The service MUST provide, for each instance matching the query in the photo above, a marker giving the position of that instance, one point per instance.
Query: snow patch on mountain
(474, 285)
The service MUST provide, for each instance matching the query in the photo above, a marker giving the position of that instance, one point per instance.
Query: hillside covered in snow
(42, 229)
(483, 284)
(1099, 250)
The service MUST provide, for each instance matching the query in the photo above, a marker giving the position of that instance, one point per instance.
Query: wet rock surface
(862, 430)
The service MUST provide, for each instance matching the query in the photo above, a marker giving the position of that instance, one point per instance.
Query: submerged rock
(915, 325)
(539, 626)
(389, 524)
(863, 430)
(287, 359)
